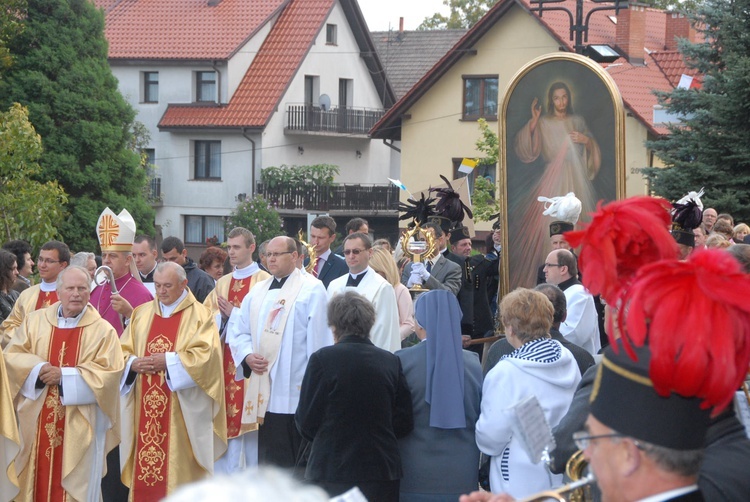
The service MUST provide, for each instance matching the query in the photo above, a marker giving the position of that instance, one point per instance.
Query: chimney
(677, 26)
(630, 38)
(400, 25)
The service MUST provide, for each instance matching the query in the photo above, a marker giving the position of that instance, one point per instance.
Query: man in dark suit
(354, 404)
(435, 273)
(328, 265)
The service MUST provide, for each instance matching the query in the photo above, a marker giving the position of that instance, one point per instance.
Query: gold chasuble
(28, 301)
(9, 439)
(235, 291)
(60, 442)
(170, 438)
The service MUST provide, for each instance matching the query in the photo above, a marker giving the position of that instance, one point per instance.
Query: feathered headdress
(418, 210)
(695, 318)
(687, 214)
(622, 237)
(449, 204)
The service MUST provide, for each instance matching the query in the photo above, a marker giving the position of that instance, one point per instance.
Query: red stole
(152, 438)
(63, 352)
(233, 390)
(45, 299)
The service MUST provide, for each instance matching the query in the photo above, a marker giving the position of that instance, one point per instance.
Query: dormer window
(205, 86)
(331, 34)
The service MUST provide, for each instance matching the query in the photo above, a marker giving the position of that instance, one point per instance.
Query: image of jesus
(572, 160)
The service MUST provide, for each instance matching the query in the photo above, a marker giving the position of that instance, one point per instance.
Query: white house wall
(330, 63)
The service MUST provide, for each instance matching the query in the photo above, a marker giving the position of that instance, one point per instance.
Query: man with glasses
(365, 281)
(280, 323)
(581, 326)
(53, 258)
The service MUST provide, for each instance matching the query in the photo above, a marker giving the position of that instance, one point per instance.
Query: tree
(258, 216)
(463, 15)
(711, 146)
(28, 209)
(11, 25)
(61, 74)
(483, 201)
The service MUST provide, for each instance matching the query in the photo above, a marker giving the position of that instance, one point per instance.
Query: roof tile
(267, 78)
(181, 29)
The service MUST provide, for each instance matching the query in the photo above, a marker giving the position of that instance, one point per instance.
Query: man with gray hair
(581, 325)
(64, 367)
(173, 360)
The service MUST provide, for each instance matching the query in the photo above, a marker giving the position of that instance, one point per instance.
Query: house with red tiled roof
(435, 122)
(227, 88)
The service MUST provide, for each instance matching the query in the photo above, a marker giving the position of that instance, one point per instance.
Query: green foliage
(12, 14)
(62, 75)
(258, 216)
(28, 209)
(463, 15)
(711, 148)
(483, 201)
(318, 175)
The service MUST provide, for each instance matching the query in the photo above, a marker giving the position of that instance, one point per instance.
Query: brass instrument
(312, 255)
(578, 490)
(418, 250)
(109, 277)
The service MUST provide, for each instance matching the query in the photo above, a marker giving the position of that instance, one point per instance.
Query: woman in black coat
(354, 405)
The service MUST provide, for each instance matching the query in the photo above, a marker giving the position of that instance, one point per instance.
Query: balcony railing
(333, 198)
(342, 120)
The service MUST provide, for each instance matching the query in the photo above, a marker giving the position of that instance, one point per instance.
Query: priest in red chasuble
(242, 448)
(64, 366)
(173, 416)
(53, 258)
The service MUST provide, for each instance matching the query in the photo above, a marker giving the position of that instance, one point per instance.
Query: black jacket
(354, 405)
(199, 282)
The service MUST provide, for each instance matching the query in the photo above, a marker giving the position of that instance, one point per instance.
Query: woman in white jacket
(538, 367)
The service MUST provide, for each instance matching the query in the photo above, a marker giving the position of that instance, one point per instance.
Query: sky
(379, 13)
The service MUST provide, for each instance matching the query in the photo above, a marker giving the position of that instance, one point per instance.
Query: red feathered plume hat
(684, 351)
(622, 236)
(695, 318)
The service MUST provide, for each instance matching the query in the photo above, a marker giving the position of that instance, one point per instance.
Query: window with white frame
(207, 160)
(200, 228)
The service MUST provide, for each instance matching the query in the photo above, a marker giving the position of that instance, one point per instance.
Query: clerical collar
(354, 280)
(278, 283)
(68, 322)
(48, 287)
(150, 275)
(568, 283)
(244, 273)
(167, 310)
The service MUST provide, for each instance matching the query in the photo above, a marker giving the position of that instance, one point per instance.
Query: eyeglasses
(583, 439)
(276, 255)
(355, 252)
(46, 260)
(548, 265)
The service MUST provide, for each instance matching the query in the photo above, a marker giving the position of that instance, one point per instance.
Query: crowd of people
(319, 361)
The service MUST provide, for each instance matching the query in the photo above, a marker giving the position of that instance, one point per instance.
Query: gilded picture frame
(550, 146)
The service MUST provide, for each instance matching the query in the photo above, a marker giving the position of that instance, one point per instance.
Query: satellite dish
(325, 102)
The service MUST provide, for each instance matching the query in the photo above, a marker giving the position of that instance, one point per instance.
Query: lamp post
(579, 26)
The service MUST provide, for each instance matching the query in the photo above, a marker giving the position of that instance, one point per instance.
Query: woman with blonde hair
(382, 262)
(740, 232)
